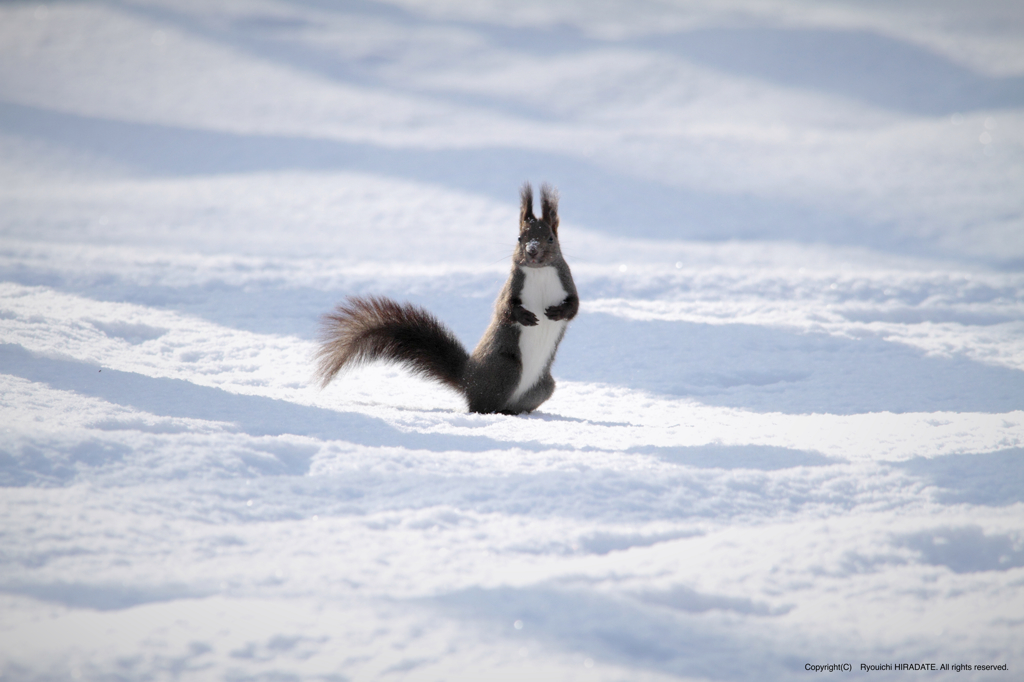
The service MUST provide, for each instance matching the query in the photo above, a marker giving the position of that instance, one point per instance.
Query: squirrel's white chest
(542, 288)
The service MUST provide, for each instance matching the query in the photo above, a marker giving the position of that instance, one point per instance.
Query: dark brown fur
(362, 330)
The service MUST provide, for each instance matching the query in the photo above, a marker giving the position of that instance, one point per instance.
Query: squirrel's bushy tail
(364, 329)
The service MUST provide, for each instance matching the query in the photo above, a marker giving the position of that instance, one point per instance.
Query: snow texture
(789, 422)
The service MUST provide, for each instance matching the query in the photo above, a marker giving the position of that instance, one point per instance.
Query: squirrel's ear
(549, 206)
(526, 205)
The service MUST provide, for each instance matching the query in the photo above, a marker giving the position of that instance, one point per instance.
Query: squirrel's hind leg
(489, 385)
(533, 398)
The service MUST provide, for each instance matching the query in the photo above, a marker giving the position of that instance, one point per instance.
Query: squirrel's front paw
(557, 312)
(524, 316)
(566, 310)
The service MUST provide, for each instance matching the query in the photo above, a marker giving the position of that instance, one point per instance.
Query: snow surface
(789, 425)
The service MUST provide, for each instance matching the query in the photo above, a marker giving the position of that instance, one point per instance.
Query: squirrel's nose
(532, 248)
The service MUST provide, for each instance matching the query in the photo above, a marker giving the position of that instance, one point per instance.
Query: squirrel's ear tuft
(549, 206)
(526, 203)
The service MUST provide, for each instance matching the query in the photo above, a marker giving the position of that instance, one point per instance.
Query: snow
(789, 422)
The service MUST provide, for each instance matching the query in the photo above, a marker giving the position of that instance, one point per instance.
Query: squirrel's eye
(520, 239)
(550, 240)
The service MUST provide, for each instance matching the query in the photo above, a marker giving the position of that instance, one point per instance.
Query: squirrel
(510, 370)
